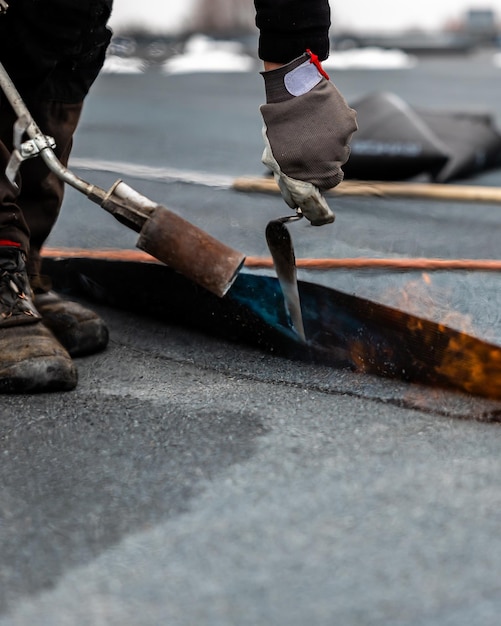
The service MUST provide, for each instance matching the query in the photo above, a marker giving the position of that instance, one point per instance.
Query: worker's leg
(79, 329)
(31, 359)
(53, 57)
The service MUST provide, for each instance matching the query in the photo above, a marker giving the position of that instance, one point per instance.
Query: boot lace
(16, 305)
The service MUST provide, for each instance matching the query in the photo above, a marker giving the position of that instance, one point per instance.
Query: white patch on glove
(298, 193)
(302, 79)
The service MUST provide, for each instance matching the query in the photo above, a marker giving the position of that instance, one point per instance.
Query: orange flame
(456, 355)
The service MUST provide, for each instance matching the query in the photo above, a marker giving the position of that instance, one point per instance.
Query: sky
(167, 15)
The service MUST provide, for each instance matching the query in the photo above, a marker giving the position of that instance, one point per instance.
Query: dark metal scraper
(282, 251)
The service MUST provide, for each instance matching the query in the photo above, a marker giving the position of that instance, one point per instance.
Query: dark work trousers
(29, 216)
(53, 51)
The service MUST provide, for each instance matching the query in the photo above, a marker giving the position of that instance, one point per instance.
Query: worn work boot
(78, 329)
(31, 358)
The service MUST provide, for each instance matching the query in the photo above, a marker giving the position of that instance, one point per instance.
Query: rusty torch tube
(178, 243)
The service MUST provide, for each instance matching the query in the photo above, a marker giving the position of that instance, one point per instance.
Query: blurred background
(423, 77)
(154, 30)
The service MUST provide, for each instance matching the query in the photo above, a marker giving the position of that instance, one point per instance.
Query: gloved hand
(3, 6)
(307, 129)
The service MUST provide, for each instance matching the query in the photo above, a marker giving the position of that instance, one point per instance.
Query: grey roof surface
(193, 480)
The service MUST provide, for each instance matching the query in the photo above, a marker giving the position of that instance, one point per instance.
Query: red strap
(316, 62)
(7, 242)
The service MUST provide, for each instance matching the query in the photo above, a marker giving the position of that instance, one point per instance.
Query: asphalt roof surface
(191, 479)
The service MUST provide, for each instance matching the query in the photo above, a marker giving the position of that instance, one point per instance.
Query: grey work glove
(3, 6)
(307, 129)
